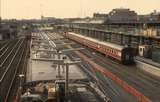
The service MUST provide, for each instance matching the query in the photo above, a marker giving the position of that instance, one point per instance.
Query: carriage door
(127, 57)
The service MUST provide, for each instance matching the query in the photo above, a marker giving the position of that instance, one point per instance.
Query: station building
(122, 15)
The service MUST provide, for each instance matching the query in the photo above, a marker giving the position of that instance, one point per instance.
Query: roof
(93, 21)
(115, 46)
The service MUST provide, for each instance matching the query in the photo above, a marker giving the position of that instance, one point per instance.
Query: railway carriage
(122, 54)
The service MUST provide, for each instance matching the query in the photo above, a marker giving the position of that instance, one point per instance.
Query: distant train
(123, 54)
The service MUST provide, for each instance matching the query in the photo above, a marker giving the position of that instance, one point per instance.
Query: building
(48, 18)
(143, 18)
(155, 16)
(8, 31)
(100, 16)
(122, 15)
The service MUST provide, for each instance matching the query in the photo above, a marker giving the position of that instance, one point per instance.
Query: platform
(148, 66)
(41, 65)
(43, 70)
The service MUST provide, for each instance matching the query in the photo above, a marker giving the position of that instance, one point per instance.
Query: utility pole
(21, 76)
(59, 57)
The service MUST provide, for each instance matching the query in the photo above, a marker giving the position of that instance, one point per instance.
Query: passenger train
(122, 54)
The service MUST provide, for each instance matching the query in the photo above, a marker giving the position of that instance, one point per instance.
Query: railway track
(140, 81)
(7, 55)
(3, 42)
(3, 46)
(134, 77)
(21, 70)
(10, 64)
(106, 85)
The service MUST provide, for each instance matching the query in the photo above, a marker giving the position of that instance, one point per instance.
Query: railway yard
(13, 55)
(79, 51)
(139, 80)
(133, 76)
(96, 78)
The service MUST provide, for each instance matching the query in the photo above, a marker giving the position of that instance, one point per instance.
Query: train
(123, 54)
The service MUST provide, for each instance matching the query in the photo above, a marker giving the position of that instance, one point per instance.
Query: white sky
(71, 8)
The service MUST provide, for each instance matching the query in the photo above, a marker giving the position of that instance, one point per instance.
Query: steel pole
(66, 80)
(59, 71)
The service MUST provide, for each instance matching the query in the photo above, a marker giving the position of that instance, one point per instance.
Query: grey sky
(71, 8)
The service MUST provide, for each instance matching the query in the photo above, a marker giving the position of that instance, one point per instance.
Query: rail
(2, 78)
(3, 55)
(4, 47)
(7, 76)
(140, 97)
(14, 76)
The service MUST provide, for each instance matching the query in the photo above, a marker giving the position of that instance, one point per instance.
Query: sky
(29, 9)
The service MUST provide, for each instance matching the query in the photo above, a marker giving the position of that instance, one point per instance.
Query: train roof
(115, 46)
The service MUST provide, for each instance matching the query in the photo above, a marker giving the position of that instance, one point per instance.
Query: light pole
(21, 76)
(59, 57)
(67, 80)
